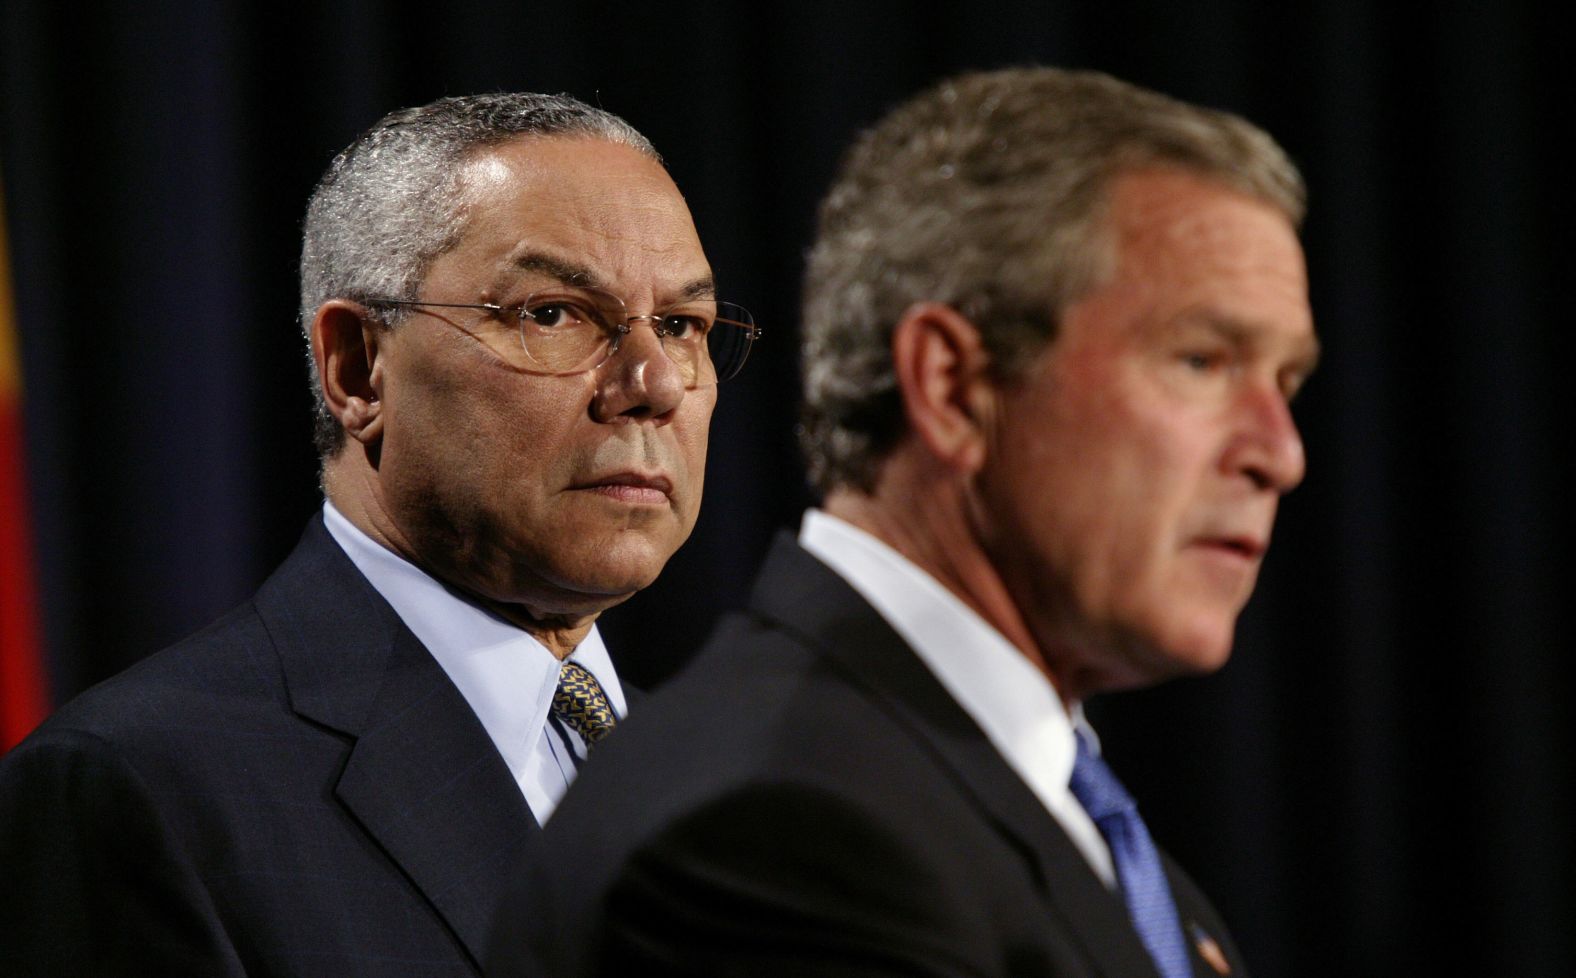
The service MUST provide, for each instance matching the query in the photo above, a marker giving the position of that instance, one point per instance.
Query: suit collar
(1000, 688)
(801, 595)
(422, 777)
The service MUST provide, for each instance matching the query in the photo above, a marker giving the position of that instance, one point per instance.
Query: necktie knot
(581, 703)
(1097, 788)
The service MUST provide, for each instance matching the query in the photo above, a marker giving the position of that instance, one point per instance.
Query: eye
(685, 326)
(554, 315)
(1204, 361)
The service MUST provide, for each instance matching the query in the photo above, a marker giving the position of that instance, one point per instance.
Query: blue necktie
(1138, 868)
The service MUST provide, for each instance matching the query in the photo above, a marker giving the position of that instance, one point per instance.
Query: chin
(612, 577)
(603, 582)
(569, 595)
(1153, 650)
(1200, 649)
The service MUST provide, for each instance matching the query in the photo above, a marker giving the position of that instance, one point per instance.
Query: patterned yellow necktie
(581, 703)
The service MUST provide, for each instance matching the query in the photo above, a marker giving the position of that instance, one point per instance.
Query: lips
(1244, 546)
(631, 487)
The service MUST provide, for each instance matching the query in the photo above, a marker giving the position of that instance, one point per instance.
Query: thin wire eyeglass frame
(740, 330)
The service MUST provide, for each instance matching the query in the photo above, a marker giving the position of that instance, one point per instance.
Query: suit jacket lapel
(800, 594)
(422, 777)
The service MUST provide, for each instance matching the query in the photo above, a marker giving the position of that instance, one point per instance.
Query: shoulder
(184, 722)
(768, 877)
(765, 762)
(757, 700)
(226, 669)
(757, 705)
(227, 677)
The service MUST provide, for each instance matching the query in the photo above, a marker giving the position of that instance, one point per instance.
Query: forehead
(1187, 235)
(594, 204)
(1184, 250)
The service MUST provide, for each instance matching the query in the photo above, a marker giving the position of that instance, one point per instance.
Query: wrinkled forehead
(602, 206)
(558, 164)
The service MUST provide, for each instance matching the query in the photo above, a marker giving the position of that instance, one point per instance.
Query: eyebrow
(571, 273)
(567, 272)
(701, 288)
(1305, 355)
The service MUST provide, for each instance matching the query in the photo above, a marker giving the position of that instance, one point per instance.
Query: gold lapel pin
(1209, 949)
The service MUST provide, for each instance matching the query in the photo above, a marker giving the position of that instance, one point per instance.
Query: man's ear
(943, 375)
(345, 348)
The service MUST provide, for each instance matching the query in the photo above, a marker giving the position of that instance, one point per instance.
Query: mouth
(636, 488)
(1245, 547)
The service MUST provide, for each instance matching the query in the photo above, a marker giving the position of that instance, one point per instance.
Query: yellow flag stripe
(10, 359)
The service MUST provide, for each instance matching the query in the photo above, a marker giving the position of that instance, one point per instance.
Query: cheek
(1113, 495)
(483, 429)
(1155, 487)
(692, 433)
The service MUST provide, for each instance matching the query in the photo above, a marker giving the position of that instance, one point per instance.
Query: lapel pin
(1209, 949)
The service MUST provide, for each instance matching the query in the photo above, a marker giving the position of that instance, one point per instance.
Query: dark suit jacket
(299, 789)
(806, 799)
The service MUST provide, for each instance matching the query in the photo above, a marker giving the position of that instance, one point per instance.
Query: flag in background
(23, 702)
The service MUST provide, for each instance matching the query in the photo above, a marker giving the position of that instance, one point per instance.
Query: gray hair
(394, 200)
(987, 193)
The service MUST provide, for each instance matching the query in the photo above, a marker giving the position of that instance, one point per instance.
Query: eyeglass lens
(565, 330)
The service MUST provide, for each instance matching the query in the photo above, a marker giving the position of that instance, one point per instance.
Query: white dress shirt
(506, 676)
(1012, 701)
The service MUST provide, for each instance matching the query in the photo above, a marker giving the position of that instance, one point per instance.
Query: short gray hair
(393, 201)
(986, 193)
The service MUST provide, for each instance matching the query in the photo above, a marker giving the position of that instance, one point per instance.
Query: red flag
(23, 701)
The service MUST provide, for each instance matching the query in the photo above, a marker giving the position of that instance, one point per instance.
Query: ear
(345, 343)
(942, 374)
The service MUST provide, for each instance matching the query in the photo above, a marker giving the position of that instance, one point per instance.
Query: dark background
(1379, 784)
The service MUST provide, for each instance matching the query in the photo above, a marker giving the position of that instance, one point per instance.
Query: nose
(1267, 447)
(639, 381)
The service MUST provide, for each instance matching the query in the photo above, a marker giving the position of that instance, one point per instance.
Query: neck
(923, 516)
(354, 492)
(561, 637)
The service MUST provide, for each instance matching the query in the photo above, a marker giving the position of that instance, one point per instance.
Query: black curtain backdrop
(1379, 784)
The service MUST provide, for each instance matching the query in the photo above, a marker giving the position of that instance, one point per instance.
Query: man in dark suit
(1053, 326)
(515, 345)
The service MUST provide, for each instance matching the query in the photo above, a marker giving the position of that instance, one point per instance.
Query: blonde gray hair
(986, 193)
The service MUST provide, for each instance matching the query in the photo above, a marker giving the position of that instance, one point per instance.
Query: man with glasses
(1053, 325)
(515, 344)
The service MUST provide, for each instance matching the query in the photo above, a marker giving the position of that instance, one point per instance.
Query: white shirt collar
(505, 674)
(1012, 701)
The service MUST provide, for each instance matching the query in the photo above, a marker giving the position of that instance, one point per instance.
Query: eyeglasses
(572, 329)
